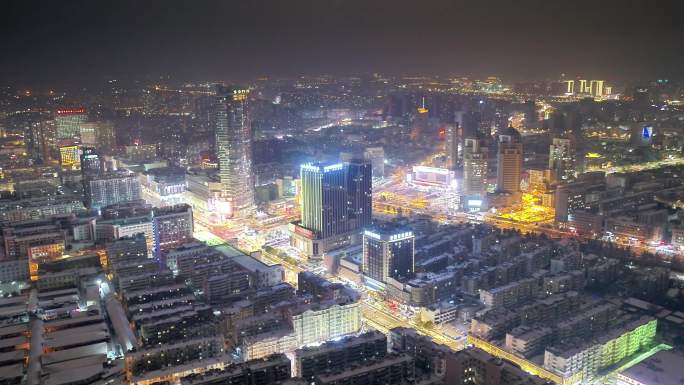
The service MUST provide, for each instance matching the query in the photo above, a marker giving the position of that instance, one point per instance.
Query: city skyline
(341, 192)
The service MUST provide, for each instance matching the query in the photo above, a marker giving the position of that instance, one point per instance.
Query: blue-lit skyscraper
(324, 199)
(336, 204)
(388, 252)
(360, 192)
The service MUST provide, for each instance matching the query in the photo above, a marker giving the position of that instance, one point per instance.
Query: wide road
(377, 315)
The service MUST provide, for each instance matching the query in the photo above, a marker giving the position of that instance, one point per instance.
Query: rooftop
(662, 368)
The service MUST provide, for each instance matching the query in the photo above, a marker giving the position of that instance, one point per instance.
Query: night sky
(72, 42)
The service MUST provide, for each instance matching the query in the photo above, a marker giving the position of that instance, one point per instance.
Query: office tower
(359, 191)
(420, 124)
(87, 134)
(376, 155)
(482, 116)
(557, 123)
(99, 135)
(91, 164)
(509, 162)
(570, 87)
(452, 144)
(105, 134)
(471, 124)
(388, 252)
(596, 88)
(561, 159)
(336, 203)
(474, 168)
(397, 107)
(70, 157)
(68, 121)
(500, 118)
(111, 188)
(583, 87)
(39, 135)
(324, 199)
(458, 118)
(540, 179)
(173, 226)
(234, 150)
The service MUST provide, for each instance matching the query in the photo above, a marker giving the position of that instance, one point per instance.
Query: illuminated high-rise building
(87, 134)
(570, 87)
(234, 150)
(39, 136)
(561, 159)
(596, 88)
(100, 135)
(501, 119)
(324, 199)
(68, 121)
(359, 190)
(420, 123)
(336, 203)
(471, 124)
(584, 87)
(474, 167)
(452, 146)
(106, 136)
(509, 162)
(70, 157)
(388, 252)
(376, 155)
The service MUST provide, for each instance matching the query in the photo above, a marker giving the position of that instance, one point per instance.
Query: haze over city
(341, 192)
(81, 41)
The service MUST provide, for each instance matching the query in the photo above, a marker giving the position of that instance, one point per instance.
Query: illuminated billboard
(647, 132)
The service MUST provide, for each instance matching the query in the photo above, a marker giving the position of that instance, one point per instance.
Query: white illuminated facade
(432, 176)
(317, 325)
(562, 159)
(234, 151)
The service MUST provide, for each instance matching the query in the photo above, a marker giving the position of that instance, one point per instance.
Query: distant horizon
(80, 42)
(142, 80)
